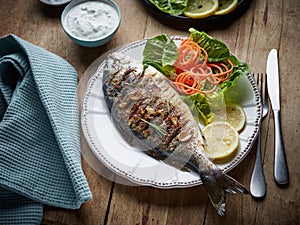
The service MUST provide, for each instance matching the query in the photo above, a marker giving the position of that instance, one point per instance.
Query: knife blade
(281, 174)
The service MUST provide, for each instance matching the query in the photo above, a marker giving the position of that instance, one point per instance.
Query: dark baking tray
(209, 23)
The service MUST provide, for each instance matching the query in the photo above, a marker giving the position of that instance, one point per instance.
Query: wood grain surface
(265, 25)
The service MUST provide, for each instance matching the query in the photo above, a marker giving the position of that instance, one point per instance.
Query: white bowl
(91, 23)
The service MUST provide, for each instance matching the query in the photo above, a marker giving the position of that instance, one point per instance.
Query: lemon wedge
(198, 9)
(222, 141)
(234, 114)
(226, 6)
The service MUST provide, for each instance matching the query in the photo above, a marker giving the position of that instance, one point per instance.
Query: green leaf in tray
(173, 7)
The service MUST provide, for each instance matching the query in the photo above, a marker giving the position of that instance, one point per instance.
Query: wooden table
(265, 25)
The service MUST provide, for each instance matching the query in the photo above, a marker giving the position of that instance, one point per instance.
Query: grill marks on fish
(156, 120)
(151, 118)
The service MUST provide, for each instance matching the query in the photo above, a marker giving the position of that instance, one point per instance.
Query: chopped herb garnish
(161, 132)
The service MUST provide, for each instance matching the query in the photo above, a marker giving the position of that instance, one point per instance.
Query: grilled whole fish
(145, 106)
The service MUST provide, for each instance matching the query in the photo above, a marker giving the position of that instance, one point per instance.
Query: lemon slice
(226, 6)
(222, 141)
(234, 114)
(198, 9)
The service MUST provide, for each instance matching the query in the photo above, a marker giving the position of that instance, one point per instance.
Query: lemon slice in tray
(222, 141)
(198, 9)
(226, 6)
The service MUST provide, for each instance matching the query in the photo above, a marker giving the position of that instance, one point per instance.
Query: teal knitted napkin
(40, 160)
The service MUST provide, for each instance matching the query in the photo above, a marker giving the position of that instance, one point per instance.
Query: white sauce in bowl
(91, 20)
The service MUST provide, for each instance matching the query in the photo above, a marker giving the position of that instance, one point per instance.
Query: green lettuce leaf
(216, 50)
(240, 69)
(199, 106)
(204, 106)
(173, 7)
(161, 52)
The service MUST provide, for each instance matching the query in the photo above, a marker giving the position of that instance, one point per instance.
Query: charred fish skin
(147, 108)
(118, 68)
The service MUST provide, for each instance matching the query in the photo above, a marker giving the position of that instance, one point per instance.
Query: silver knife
(281, 174)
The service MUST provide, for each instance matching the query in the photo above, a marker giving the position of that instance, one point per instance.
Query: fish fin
(216, 186)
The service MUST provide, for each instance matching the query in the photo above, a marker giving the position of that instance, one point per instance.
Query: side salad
(201, 68)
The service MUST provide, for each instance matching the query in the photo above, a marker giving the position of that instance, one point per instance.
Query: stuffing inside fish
(145, 106)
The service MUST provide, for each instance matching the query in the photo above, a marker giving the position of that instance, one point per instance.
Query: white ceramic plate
(133, 164)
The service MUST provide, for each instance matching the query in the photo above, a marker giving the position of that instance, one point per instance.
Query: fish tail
(216, 186)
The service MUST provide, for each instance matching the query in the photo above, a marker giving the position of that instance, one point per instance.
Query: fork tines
(261, 80)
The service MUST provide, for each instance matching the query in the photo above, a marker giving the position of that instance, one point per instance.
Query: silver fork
(258, 182)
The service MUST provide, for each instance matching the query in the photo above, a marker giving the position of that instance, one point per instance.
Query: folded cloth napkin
(40, 160)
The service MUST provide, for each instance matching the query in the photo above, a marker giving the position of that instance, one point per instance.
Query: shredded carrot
(190, 54)
(223, 71)
(187, 83)
(195, 73)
